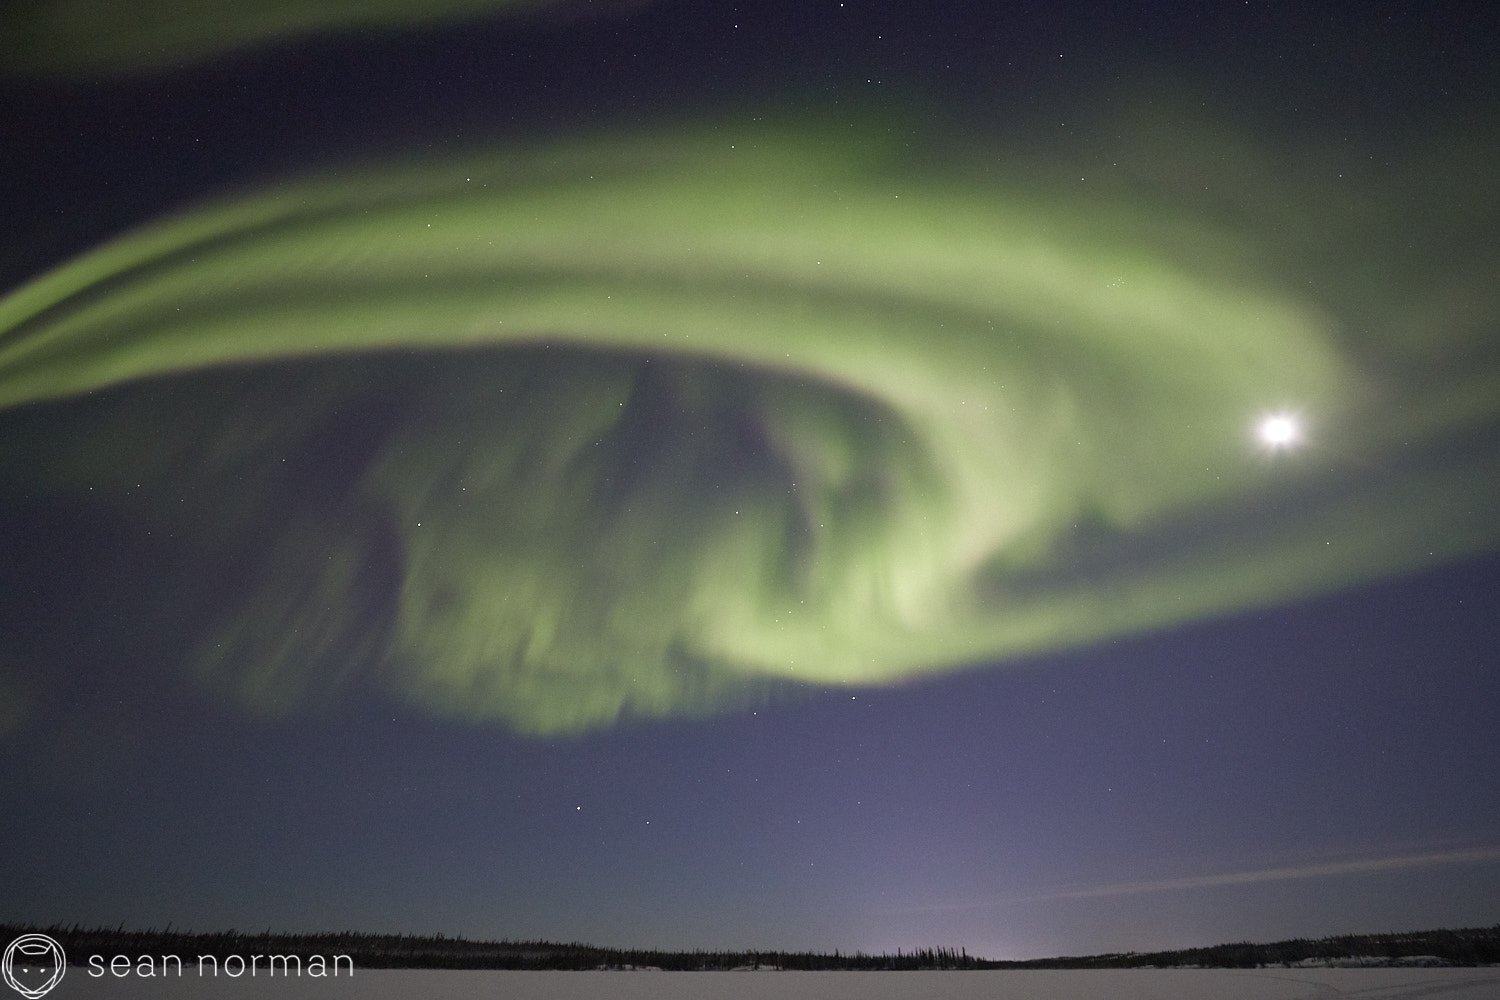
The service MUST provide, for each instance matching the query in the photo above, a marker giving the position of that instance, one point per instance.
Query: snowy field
(1137, 984)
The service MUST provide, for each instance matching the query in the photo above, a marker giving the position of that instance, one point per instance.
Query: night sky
(769, 475)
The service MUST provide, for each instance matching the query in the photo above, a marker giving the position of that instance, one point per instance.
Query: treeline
(402, 951)
(1467, 946)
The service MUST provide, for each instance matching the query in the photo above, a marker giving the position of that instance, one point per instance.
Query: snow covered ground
(1134, 984)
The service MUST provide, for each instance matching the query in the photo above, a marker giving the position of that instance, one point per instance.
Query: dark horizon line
(1470, 946)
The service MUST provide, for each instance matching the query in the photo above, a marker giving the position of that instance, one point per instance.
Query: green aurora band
(51, 37)
(647, 423)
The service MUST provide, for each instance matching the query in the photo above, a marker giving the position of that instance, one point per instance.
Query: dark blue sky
(1317, 765)
(1351, 728)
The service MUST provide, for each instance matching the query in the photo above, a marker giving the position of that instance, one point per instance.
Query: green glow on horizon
(977, 419)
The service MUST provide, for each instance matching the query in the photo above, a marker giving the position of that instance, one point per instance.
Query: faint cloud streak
(1257, 876)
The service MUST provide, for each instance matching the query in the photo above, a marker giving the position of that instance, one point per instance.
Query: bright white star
(1279, 431)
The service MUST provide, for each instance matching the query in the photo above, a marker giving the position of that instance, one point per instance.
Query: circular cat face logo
(34, 963)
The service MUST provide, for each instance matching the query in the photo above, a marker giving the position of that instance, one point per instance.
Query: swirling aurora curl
(664, 418)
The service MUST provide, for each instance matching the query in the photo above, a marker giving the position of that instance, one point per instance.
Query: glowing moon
(1279, 431)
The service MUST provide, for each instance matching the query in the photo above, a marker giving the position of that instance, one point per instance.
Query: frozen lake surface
(1134, 984)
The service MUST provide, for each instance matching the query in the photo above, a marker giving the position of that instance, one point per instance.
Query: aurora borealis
(89, 36)
(567, 429)
(963, 425)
